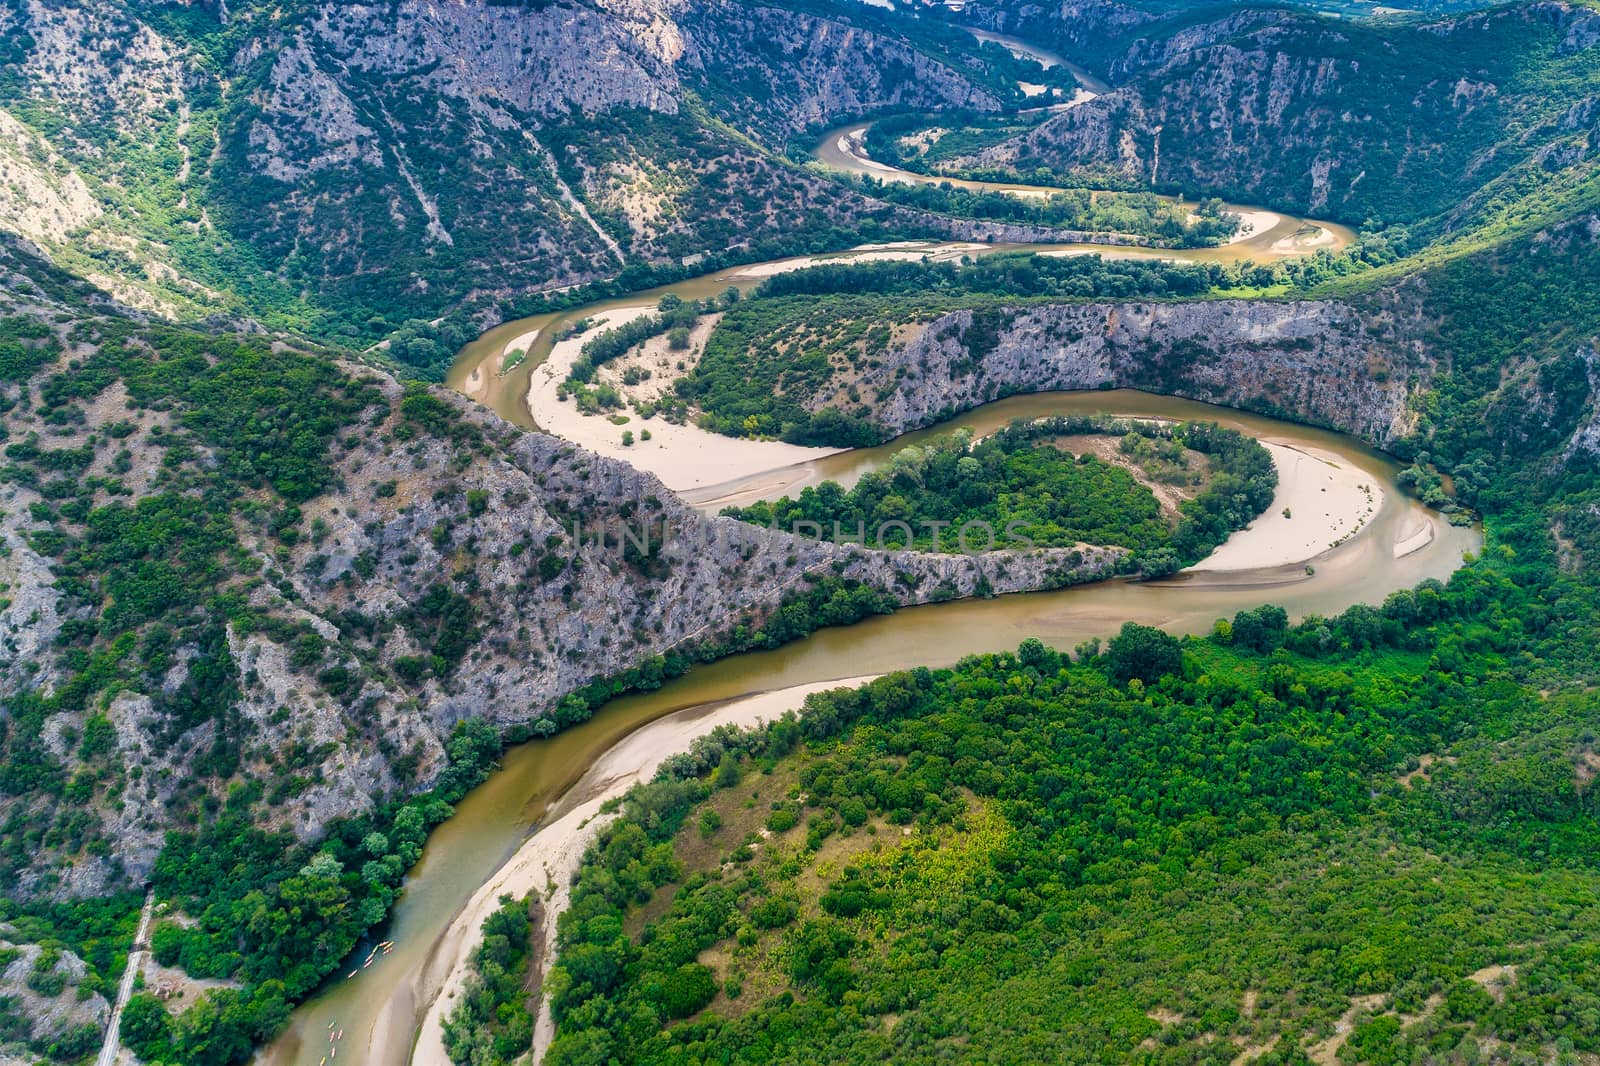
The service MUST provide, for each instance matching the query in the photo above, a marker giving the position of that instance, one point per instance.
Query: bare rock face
(41, 197)
(482, 572)
(43, 985)
(1319, 362)
(388, 158)
(797, 71)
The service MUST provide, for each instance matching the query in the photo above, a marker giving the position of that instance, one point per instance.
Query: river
(380, 1007)
(1018, 47)
(479, 369)
(495, 819)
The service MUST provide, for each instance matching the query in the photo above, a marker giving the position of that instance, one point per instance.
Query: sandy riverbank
(1321, 501)
(1254, 223)
(901, 252)
(476, 386)
(546, 862)
(522, 343)
(683, 457)
(1417, 534)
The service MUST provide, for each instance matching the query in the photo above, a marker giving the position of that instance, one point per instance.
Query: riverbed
(1396, 545)
(480, 370)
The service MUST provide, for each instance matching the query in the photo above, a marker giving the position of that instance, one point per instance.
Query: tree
(1262, 629)
(1142, 652)
(147, 1028)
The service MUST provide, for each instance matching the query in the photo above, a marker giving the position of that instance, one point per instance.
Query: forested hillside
(1277, 844)
(258, 596)
(268, 610)
(342, 169)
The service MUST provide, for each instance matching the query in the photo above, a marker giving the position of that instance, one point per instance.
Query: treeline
(1137, 214)
(1242, 481)
(954, 495)
(1010, 274)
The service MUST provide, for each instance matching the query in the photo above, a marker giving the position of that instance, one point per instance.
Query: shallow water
(491, 822)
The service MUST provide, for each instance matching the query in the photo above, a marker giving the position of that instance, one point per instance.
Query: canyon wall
(1321, 362)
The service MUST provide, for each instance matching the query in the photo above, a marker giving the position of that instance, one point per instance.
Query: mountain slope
(341, 168)
(1394, 123)
(247, 567)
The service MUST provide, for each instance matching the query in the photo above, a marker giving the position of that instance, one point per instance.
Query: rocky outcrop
(41, 197)
(544, 567)
(795, 71)
(41, 985)
(400, 159)
(541, 637)
(1320, 362)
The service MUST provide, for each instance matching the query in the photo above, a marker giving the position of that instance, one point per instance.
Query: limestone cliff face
(543, 633)
(48, 1018)
(516, 538)
(400, 159)
(1320, 362)
(791, 71)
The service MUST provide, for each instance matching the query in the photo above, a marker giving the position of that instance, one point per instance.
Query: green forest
(802, 336)
(1158, 851)
(1018, 489)
(238, 240)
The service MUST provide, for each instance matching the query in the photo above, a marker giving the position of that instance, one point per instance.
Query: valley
(347, 349)
(536, 782)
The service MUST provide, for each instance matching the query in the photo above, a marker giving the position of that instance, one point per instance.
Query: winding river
(1398, 547)
(378, 1010)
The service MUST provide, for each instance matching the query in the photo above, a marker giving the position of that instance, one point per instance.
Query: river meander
(379, 1008)
(496, 818)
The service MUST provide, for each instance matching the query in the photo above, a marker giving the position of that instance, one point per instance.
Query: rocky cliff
(44, 1001)
(1373, 365)
(1326, 362)
(232, 568)
(340, 168)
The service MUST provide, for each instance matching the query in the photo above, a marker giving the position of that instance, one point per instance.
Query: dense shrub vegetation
(1142, 215)
(492, 1022)
(1168, 850)
(776, 364)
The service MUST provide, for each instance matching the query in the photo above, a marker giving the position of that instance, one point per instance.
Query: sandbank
(1321, 502)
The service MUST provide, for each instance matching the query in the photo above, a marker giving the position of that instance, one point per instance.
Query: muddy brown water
(478, 370)
(491, 822)
(496, 818)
